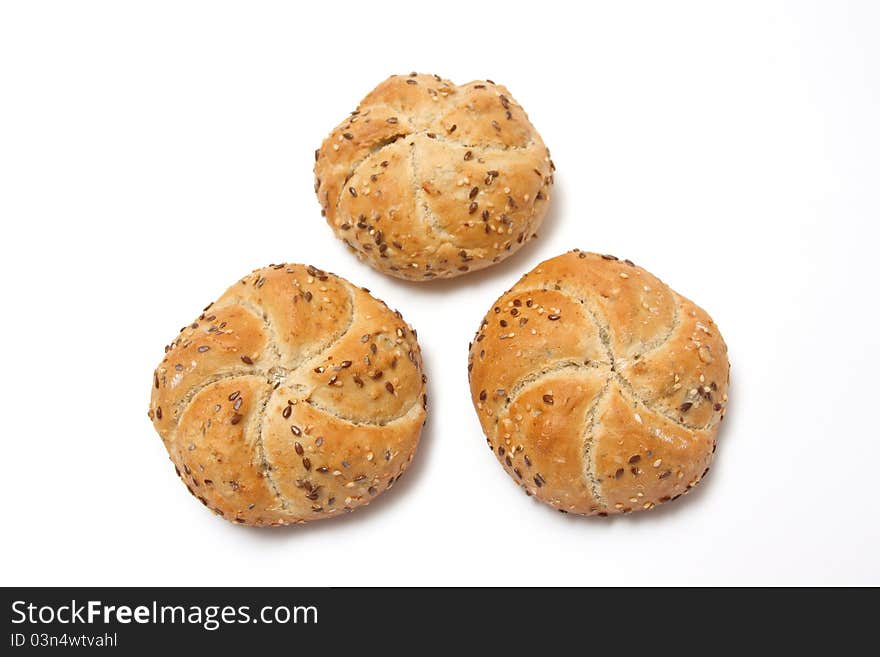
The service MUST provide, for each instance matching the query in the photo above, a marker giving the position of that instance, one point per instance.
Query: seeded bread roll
(428, 179)
(600, 390)
(294, 397)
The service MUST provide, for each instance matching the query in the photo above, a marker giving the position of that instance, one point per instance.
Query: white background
(152, 153)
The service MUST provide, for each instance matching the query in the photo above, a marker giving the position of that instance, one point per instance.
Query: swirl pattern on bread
(428, 179)
(600, 390)
(294, 397)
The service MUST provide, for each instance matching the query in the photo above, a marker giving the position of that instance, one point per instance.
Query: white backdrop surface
(152, 153)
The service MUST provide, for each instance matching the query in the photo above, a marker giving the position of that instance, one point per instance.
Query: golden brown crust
(428, 179)
(599, 389)
(294, 397)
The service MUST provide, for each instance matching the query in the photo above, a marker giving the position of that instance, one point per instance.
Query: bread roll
(600, 390)
(428, 179)
(294, 397)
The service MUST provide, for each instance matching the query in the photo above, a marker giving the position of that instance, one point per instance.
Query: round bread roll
(428, 179)
(294, 397)
(600, 390)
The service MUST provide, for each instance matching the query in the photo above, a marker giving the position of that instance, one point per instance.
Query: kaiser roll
(294, 397)
(428, 179)
(600, 390)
